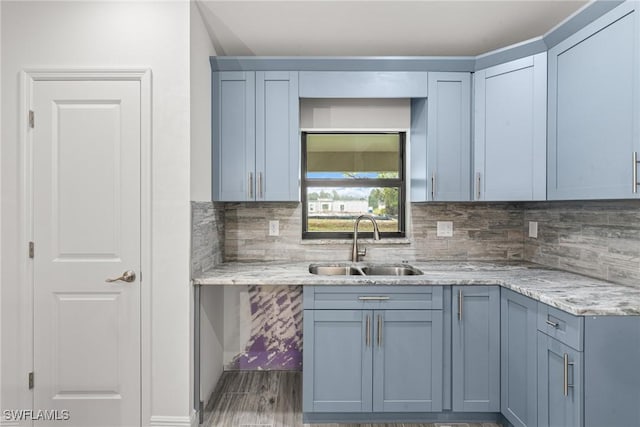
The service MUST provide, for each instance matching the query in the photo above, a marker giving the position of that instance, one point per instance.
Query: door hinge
(31, 249)
(30, 380)
(32, 119)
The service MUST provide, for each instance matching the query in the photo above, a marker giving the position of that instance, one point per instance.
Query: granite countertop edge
(570, 292)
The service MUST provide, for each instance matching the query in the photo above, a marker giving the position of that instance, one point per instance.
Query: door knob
(128, 276)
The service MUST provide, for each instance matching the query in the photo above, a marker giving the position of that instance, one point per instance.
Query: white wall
(212, 298)
(201, 49)
(355, 113)
(1, 365)
(111, 34)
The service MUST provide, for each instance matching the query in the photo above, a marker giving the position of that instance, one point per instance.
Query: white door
(86, 229)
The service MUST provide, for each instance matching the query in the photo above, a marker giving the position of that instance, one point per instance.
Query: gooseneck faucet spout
(357, 253)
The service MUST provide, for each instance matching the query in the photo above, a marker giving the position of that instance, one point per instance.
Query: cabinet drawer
(373, 297)
(560, 325)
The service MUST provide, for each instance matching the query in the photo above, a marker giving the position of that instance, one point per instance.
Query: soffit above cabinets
(377, 28)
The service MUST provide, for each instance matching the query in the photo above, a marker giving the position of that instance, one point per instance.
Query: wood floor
(272, 399)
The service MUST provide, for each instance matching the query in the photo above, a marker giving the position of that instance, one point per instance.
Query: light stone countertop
(573, 293)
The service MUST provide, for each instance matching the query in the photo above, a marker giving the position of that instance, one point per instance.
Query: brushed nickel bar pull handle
(250, 185)
(260, 192)
(478, 193)
(368, 332)
(566, 375)
(460, 299)
(554, 324)
(433, 186)
(379, 330)
(635, 172)
(375, 298)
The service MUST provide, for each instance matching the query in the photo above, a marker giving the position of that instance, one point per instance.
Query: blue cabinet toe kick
(400, 417)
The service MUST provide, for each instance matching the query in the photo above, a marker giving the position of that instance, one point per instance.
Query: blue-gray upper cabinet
(233, 134)
(518, 356)
(441, 140)
(255, 136)
(407, 361)
(363, 84)
(476, 349)
(337, 360)
(510, 124)
(594, 80)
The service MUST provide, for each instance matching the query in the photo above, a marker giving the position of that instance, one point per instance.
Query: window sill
(392, 241)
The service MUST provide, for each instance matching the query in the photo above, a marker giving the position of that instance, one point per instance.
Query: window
(347, 174)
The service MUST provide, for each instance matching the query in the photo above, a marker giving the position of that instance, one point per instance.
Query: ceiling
(377, 28)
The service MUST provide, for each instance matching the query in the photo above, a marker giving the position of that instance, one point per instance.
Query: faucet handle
(362, 251)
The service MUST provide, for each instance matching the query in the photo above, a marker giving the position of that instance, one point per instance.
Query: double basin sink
(351, 269)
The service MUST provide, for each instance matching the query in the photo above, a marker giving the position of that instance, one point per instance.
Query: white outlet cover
(444, 229)
(533, 229)
(274, 228)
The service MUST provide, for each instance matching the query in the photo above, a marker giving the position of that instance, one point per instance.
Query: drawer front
(373, 297)
(561, 325)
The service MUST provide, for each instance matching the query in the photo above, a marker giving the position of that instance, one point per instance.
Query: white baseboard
(167, 421)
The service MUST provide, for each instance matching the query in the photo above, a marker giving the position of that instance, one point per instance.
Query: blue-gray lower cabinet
(407, 361)
(376, 349)
(476, 349)
(560, 386)
(372, 360)
(337, 360)
(587, 372)
(518, 356)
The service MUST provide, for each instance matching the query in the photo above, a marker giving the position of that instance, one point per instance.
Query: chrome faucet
(357, 253)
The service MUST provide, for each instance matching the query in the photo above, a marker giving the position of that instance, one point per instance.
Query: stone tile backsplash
(482, 231)
(207, 235)
(596, 238)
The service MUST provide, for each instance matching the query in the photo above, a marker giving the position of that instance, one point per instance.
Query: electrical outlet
(533, 229)
(444, 229)
(274, 228)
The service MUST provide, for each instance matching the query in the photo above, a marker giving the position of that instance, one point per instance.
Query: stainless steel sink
(364, 270)
(334, 270)
(391, 270)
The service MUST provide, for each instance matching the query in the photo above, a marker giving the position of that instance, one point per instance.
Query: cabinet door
(476, 349)
(233, 136)
(593, 109)
(449, 137)
(277, 136)
(518, 395)
(510, 143)
(337, 360)
(559, 384)
(407, 348)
